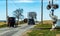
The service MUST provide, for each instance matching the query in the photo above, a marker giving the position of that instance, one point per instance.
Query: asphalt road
(15, 31)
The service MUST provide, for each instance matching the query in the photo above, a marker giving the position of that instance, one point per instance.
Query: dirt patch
(25, 33)
(57, 34)
(47, 22)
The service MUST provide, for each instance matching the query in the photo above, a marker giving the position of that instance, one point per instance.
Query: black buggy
(11, 21)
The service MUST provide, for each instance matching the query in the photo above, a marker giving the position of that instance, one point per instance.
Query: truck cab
(31, 22)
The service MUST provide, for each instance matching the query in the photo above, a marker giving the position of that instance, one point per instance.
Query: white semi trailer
(31, 18)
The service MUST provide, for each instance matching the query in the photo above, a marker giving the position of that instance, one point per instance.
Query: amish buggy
(11, 22)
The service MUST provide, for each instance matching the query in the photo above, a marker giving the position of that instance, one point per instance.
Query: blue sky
(27, 6)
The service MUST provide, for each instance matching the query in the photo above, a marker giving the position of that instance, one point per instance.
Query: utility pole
(6, 11)
(41, 11)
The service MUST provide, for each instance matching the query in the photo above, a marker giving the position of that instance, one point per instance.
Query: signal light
(55, 6)
(49, 7)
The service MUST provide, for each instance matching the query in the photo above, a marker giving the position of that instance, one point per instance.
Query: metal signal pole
(52, 2)
(52, 8)
(6, 11)
(41, 11)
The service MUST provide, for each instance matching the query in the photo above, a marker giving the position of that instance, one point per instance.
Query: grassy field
(3, 24)
(43, 32)
(36, 31)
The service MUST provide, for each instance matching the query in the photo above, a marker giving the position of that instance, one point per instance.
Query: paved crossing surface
(15, 31)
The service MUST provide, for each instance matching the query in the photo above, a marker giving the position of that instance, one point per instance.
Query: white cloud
(29, 1)
(24, 1)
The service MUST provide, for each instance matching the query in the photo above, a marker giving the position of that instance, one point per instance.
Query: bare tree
(18, 14)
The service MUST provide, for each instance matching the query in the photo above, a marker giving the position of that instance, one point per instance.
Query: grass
(58, 31)
(43, 26)
(43, 32)
(3, 24)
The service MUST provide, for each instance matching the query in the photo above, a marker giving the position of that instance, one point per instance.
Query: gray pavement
(15, 31)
